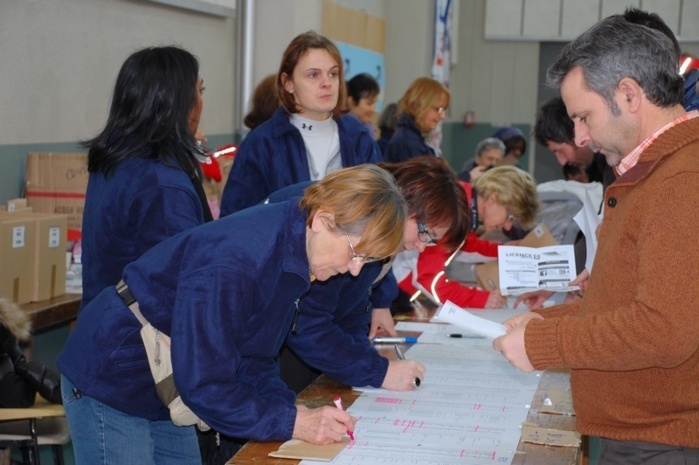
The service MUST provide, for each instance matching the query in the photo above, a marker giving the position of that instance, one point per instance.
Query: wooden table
(321, 392)
(53, 312)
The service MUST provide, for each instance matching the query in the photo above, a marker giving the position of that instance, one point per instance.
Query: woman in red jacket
(498, 199)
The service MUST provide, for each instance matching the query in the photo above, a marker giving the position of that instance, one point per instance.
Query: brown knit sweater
(632, 342)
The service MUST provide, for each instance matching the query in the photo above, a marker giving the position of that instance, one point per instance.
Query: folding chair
(31, 427)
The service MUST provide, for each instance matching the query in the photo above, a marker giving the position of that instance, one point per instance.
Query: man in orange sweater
(632, 341)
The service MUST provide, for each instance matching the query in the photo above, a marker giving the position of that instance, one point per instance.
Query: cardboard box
(56, 183)
(49, 265)
(16, 204)
(488, 274)
(16, 257)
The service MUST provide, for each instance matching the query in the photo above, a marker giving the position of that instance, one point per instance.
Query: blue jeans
(102, 435)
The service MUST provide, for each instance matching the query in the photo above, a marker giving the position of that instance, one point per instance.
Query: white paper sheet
(468, 409)
(525, 269)
(451, 313)
(588, 221)
(435, 333)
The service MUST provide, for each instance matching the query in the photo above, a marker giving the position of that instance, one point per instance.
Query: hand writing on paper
(401, 374)
(322, 425)
(382, 323)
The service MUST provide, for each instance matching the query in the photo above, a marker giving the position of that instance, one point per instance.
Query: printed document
(526, 269)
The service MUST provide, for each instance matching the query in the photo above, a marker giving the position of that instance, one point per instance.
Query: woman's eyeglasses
(356, 258)
(424, 235)
(510, 217)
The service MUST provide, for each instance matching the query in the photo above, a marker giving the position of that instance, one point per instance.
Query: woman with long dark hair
(144, 183)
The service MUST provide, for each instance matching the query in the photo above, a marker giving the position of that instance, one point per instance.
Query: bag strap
(131, 302)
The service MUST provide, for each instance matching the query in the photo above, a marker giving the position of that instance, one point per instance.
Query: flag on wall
(441, 56)
(443, 35)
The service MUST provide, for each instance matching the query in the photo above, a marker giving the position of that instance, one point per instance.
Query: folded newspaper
(526, 269)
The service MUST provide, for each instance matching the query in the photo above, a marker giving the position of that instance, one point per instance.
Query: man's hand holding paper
(511, 345)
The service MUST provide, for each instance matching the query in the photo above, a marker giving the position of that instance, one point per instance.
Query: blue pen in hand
(394, 340)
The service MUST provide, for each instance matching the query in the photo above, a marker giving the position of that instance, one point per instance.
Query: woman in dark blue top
(339, 312)
(421, 109)
(144, 184)
(227, 294)
(305, 139)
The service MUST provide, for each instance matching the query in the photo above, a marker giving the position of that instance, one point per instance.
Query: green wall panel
(459, 142)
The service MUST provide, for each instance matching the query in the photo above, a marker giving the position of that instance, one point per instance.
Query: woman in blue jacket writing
(343, 311)
(226, 293)
(305, 139)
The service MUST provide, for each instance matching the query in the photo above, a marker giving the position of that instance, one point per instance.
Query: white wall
(496, 79)
(60, 59)
(409, 37)
(277, 22)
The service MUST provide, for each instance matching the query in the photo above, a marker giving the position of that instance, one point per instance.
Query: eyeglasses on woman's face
(424, 235)
(510, 220)
(441, 111)
(357, 258)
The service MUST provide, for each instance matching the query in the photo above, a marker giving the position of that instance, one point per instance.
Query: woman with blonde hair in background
(421, 109)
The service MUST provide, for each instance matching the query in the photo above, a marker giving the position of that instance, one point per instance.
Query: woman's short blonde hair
(513, 188)
(418, 98)
(364, 201)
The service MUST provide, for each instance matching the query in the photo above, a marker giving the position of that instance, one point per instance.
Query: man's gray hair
(490, 143)
(614, 49)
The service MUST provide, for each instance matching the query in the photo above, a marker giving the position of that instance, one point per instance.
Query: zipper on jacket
(294, 324)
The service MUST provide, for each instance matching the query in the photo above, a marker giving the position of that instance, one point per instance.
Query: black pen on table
(401, 356)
